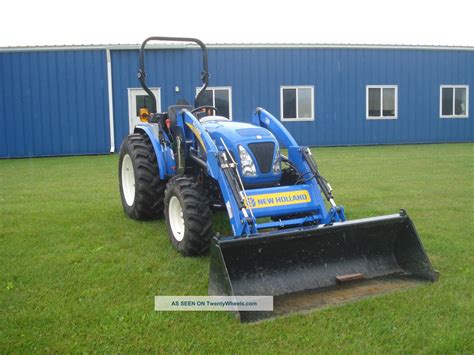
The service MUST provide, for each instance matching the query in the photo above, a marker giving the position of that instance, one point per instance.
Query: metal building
(84, 99)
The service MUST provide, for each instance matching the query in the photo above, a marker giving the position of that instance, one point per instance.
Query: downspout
(111, 101)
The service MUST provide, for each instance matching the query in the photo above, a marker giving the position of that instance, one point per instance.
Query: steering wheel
(205, 107)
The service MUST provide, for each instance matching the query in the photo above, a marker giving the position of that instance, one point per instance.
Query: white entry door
(138, 98)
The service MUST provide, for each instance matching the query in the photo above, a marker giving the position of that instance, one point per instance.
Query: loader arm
(245, 206)
(301, 159)
(220, 167)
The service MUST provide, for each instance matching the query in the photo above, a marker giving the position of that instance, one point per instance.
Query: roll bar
(204, 74)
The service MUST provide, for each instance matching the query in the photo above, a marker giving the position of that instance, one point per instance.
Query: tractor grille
(263, 152)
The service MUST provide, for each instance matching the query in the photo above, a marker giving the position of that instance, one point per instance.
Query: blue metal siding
(339, 76)
(53, 103)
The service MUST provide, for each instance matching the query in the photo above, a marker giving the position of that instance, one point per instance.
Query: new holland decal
(278, 199)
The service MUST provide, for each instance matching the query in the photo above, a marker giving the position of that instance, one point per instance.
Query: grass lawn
(77, 275)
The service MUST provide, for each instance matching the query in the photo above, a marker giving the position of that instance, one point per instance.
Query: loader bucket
(312, 267)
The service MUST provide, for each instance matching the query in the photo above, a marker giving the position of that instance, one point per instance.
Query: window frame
(213, 88)
(454, 87)
(305, 119)
(133, 92)
(381, 87)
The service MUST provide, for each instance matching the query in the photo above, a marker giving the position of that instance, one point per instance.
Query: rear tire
(141, 190)
(188, 216)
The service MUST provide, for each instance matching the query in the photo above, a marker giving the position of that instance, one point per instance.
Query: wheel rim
(175, 215)
(128, 180)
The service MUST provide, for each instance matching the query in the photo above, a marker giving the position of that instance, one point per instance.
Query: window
(454, 101)
(137, 99)
(144, 101)
(219, 97)
(381, 101)
(297, 103)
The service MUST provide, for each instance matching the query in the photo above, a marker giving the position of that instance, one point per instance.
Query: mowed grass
(77, 275)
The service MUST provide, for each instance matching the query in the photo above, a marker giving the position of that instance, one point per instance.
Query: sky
(72, 22)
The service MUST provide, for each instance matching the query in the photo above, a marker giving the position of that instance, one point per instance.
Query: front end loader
(289, 238)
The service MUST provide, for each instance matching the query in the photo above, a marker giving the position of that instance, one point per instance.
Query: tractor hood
(259, 143)
(235, 132)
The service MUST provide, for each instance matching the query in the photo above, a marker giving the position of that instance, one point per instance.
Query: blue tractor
(289, 238)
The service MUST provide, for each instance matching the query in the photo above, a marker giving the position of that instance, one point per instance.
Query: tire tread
(199, 216)
(149, 194)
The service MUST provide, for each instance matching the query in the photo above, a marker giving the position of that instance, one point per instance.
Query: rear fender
(164, 154)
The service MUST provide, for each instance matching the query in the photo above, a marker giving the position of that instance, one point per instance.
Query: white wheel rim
(175, 213)
(128, 180)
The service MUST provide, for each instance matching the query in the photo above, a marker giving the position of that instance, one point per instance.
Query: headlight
(277, 162)
(246, 162)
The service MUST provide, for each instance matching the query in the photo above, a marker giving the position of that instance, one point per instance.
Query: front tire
(141, 190)
(188, 216)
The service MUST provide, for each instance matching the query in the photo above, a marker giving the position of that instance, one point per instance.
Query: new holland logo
(278, 199)
(251, 202)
